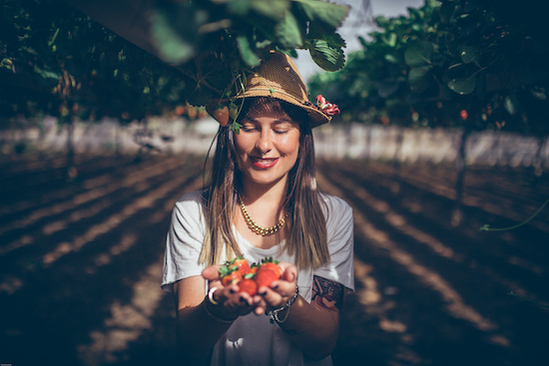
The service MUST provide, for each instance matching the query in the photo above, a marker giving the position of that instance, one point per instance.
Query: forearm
(312, 328)
(198, 330)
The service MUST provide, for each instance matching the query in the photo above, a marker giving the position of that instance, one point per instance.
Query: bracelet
(209, 298)
(274, 313)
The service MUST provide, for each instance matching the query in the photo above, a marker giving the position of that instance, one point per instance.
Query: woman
(262, 202)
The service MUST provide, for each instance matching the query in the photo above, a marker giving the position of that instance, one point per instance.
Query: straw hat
(278, 77)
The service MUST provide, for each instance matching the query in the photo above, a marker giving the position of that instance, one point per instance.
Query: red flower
(326, 107)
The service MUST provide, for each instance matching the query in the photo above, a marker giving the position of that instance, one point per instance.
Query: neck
(272, 195)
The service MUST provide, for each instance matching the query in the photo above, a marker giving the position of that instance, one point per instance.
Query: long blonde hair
(307, 237)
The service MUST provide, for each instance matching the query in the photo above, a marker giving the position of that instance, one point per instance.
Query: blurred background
(441, 149)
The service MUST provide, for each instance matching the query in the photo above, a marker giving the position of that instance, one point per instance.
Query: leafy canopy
(56, 60)
(470, 63)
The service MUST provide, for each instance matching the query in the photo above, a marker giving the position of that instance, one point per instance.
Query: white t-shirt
(252, 340)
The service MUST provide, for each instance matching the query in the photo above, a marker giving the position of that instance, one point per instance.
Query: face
(267, 148)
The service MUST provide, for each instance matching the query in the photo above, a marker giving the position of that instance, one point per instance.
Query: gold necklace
(260, 230)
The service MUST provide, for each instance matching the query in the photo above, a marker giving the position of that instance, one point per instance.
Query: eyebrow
(285, 119)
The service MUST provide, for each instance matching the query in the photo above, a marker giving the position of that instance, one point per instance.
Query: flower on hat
(326, 107)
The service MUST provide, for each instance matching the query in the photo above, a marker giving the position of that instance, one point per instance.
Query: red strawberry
(243, 266)
(248, 285)
(267, 273)
(221, 115)
(229, 275)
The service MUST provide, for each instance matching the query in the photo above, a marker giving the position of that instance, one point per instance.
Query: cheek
(241, 145)
(290, 145)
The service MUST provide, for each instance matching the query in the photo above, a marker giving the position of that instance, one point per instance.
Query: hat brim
(316, 117)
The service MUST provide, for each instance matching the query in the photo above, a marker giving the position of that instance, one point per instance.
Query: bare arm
(200, 323)
(312, 326)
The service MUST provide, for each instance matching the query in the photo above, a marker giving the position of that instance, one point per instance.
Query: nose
(264, 142)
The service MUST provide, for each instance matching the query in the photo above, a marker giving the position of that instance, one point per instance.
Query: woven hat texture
(278, 77)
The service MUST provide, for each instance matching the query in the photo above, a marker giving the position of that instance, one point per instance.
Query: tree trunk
(396, 186)
(71, 171)
(368, 144)
(457, 213)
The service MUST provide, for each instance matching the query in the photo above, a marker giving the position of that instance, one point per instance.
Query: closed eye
(248, 127)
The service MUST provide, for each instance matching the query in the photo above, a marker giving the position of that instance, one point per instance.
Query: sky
(358, 23)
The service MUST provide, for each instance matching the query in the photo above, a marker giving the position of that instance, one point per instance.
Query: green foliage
(56, 60)
(59, 62)
(253, 28)
(486, 57)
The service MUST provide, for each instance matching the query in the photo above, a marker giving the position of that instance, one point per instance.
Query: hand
(232, 303)
(280, 291)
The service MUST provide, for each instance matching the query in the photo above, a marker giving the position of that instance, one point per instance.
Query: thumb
(289, 274)
(211, 273)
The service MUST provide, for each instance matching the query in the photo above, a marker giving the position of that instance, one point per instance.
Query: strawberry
(229, 275)
(248, 285)
(221, 115)
(267, 273)
(241, 263)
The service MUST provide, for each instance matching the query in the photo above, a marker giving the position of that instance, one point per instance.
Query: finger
(259, 310)
(211, 273)
(289, 273)
(271, 297)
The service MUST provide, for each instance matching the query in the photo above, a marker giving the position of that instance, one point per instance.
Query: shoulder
(190, 200)
(336, 208)
(189, 204)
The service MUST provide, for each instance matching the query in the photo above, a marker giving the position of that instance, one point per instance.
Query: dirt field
(80, 263)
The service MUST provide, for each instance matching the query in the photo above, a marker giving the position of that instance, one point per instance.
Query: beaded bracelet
(274, 313)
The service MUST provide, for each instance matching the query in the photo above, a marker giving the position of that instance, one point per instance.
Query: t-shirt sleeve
(339, 226)
(184, 241)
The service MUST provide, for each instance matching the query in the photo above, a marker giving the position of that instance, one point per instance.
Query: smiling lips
(263, 163)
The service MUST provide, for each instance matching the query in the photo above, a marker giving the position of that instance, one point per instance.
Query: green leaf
(246, 52)
(390, 58)
(447, 9)
(319, 31)
(468, 54)
(7, 63)
(419, 78)
(334, 39)
(200, 96)
(324, 11)
(388, 88)
(390, 39)
(415, 14)
(381, 21)
(460, 79)
(288, 33)
(511, 104)
(48, 78)
(172, 47)
(240, 7)
(419, 53)
(275, 10)
(329, 58)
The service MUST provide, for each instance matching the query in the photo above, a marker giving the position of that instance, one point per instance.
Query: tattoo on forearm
(328, 294)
